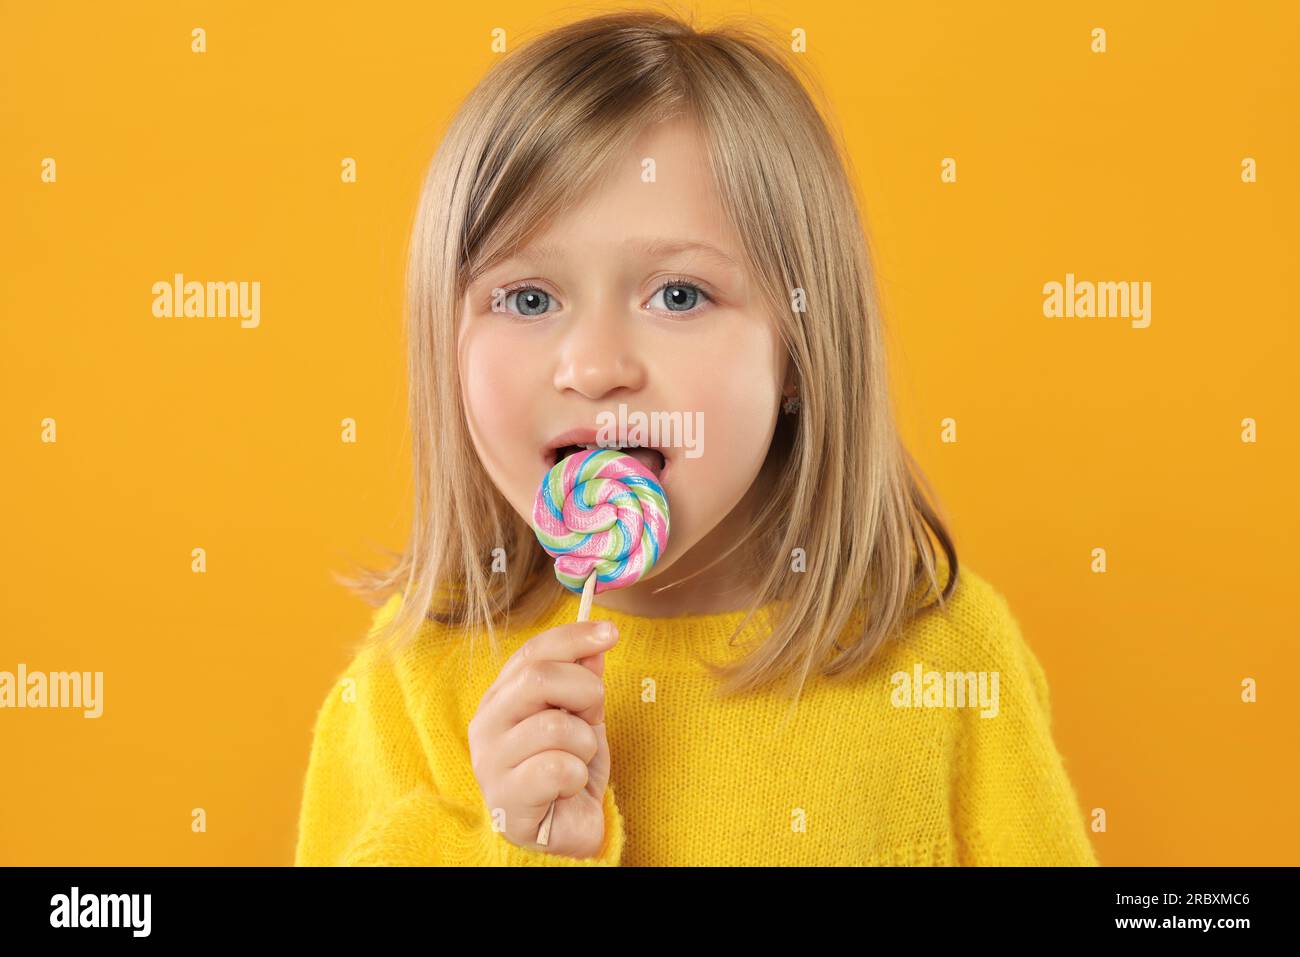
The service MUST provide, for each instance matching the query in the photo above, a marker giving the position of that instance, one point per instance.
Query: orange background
(1072, 433)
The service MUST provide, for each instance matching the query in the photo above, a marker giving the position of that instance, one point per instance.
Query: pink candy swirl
(601, 511)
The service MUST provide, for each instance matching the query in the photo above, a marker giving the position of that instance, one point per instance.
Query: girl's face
(635, 297)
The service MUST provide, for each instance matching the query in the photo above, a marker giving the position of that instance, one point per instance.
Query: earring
(791, 405)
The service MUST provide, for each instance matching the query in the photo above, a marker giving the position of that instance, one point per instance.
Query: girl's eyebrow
(652, 247)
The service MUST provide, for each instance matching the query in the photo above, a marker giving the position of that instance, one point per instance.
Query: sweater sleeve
(1015, 803)
(370, 798)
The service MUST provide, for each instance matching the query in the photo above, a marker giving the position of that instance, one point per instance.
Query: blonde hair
(538, 130)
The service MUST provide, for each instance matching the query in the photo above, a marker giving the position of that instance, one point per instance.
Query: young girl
(630, 213)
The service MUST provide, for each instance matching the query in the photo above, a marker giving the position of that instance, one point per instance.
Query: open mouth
(652, 459)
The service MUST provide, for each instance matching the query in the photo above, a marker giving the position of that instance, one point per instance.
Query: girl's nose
(597, 355)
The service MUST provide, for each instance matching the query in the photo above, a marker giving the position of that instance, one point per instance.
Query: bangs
(547, 152)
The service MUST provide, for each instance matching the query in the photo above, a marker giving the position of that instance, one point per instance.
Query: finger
(540, 685)
(596, 665)
(571, 642)
(546, 777)
(550, 730)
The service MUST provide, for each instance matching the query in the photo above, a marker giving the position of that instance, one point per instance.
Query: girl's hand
(527, 749)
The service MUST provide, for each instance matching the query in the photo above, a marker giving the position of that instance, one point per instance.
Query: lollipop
(603, 517)
(601, 513)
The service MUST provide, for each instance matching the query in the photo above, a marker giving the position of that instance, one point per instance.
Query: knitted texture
(863, 773)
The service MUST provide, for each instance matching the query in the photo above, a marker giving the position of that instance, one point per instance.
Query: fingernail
(604, 631)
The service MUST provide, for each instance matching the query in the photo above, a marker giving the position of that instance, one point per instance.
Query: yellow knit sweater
(876, 770)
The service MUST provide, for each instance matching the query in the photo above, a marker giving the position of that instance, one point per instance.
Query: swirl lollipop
(603, 517)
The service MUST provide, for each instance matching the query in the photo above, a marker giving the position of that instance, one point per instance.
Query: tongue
(651, 459)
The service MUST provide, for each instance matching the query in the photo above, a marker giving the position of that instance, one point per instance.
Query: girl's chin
(644, 586)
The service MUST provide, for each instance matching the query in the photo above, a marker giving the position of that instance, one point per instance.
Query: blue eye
(530, 300)
(681, 296)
